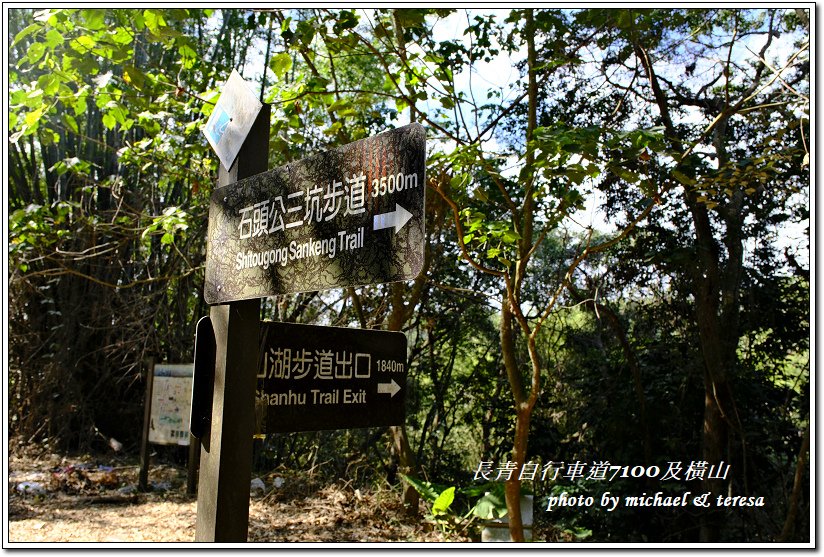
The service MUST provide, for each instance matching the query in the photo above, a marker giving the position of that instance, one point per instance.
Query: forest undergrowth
(95, 498)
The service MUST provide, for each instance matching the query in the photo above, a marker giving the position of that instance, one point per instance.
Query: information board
(312, 378)
(347, 217)
(171, 404)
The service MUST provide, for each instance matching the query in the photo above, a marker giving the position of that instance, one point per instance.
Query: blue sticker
(218, 124)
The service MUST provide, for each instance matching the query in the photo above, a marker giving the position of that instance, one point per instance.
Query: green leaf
(85, 43)
(401, 104)
(35, 53)
(333, 129)
(444, 501)
(94, 19)
(59, 168)
(35, 95)
(491, 506)
(32, 118)
(427, 490)
(187, 53)
(25, 33)
(510, 237)
(626, 175)
(70, 122)
(281, 63)
(80, 105)
(480, 194)
(121, 36)
(133, 76)
(305, 31)
(459, 180)
(346, 20)
(154, 20)
(317, 82)
(410, 17)
(683, 178)
(109, 121)
(18, 97)
(53, 38)
(49, 83)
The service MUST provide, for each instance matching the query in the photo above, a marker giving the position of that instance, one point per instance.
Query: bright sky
(501, 74)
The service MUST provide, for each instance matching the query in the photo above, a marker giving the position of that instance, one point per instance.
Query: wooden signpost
(226, 456)
(346, 217)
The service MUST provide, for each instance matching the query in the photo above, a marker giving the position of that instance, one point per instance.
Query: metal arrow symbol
(397, 219)
(389, 388)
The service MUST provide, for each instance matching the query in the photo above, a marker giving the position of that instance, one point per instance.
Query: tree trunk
(716, 300)
(717, 312)
(523, 402)
(795, 496)
(513, 485)
(716, 389)
(714, 440)
(407, 465)
(400, 439)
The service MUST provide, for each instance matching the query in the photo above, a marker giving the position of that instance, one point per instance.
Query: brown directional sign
(312, 378)
(346, 217)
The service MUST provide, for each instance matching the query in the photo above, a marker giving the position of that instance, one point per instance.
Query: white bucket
(498, 530)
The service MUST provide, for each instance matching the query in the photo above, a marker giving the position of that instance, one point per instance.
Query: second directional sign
(312, 378)
(347, 217)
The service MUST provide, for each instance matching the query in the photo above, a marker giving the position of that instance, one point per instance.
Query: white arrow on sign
(397, 219)
(389, 388)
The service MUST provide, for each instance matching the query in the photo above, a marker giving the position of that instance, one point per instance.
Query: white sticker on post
(231, 119)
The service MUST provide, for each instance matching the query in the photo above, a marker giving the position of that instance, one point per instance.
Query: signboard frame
(231, 119)
(347, 217)
(313, 378)
(172, 383)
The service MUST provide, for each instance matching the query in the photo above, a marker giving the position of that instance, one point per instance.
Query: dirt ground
(57, 499)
